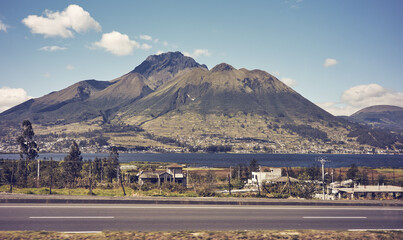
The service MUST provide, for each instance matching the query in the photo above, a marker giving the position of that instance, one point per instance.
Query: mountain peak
(170, 55)
(222, 67)
(159, 69)
(171, 61)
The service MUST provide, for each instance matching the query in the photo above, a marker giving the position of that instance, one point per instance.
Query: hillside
(382, 116)
(159, 69)
(172, 103)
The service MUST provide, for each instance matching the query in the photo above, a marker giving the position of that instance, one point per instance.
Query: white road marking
(72, 217)
(359, 230)
(335, 217)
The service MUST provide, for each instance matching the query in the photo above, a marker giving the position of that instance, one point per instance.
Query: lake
(228, 159)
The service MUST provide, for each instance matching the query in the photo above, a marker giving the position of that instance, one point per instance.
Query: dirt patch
(289, 234)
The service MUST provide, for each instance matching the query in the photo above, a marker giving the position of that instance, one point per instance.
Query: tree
(28, 147)
(352, 172)
(210, 177)
(98, 168)
(112, 164)
(28, 151)
(253, 166)
(50, 175)
(313, 172)
(72, 164)
(363, 177)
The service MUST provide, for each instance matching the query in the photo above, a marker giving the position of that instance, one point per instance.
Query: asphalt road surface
(94, 217)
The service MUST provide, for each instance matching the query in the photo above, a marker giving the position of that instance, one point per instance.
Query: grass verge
(270, 234)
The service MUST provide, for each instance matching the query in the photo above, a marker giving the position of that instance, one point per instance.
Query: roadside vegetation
(255, 234)
(108, 177)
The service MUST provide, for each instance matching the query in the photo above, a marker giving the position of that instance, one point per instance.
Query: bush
(173, 187)
(147, 186)
(134, 186)
(206, 192)
(307, 131)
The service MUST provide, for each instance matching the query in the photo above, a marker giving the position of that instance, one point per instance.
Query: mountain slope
(383, 116)
(225, 105)
(226, 90)
(159, 69)
(90, 99)
(171, 101)
(57, 106)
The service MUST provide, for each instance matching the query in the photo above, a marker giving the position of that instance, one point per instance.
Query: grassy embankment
(267, 234)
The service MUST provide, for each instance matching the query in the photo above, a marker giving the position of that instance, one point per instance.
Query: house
(282, 180)
(173, 173)
(259, 177)
(176, 171)
(368, 191)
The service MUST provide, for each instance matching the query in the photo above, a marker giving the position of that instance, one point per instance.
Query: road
(94, 217)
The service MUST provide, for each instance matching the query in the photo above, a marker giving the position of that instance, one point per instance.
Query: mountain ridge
(381, 116)
(171, 101)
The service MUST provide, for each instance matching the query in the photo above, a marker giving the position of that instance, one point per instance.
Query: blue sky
(342, 55)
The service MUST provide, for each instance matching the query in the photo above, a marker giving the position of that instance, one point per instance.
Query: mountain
(159, 69)
(57, 107)
(90, 99)
(170, 101)
(228, 91)
(383, 116)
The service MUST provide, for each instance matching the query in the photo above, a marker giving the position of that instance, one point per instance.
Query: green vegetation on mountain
(381, 116)
(172, 102)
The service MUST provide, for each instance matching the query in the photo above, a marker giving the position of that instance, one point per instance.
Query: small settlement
(173, 173)
(335, 190)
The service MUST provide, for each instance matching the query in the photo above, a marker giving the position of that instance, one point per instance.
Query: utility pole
(37, 178)
(90, 178)
(12, 176)
(322, 161)
(102, 169)
(117, 172)
(187, 176)
(230, 174)
(393, 176)
(229, 180)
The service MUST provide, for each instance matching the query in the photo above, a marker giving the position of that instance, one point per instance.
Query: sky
(341, 55)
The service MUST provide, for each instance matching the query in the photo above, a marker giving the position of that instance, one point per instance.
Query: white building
(259, 177)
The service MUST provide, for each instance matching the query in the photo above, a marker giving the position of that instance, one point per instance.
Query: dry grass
(213, 235)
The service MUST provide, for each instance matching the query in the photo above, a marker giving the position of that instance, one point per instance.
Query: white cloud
(159, 52)
(197, 52)
(9, 97)
(371, 94)
(145, 46)
(289, 82)
(52, 48)
(117, 43)
(165, 43)
(146, 37)
(61, 24)
(70, 67)
(361, 96)
(330, 62)
(3, 26)
(294, 4)
(46, 75)
(338, 109)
